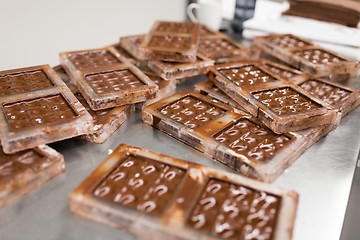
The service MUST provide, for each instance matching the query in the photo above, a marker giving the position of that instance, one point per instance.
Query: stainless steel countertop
(322, 176)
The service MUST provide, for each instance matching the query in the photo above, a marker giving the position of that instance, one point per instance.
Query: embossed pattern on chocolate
(24, 81)
(141, 183)
(93, 59)
(287, 41)
(279, 71)
(251, 140)
(12, 164)
(247, 75)
(38, 111)
(172, 42)
(192, 112)
(216, 46)
(326, 92)
(178, 27)
(233, 211)
(284, 101)
(318, 56)
(113, 81)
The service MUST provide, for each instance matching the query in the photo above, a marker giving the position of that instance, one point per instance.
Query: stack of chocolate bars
(254, 115)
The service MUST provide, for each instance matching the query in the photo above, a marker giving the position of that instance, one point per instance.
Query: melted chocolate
(247, 75)
(328, 93)
(38, 111)
(172, 42)
(12, 164)
(141, 183)
(113, 81)
(216, 47)
(284, 101)
(287, 41)
(178, 27)
(93, 59)
(23, 82)
(251, 140)
(279, 71)
(236, 212)
(192, 112)
(318, 56)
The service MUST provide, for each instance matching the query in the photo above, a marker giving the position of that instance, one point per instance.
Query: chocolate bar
(223, 49)
(106, 79)
(280, 105)
(165, 87)
(306, 56)
(24, 171)
(229, 136)
(343, 98)
(209, 89)
(165, 69)
(38, 108)
(171, 41)
(123, 52)
(161, 197)
(105, 121)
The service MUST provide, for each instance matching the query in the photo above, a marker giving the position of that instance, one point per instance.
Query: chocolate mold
(280, 105)
(24, 171)
(39, 114)
(307, 57)
(136, 189)
(106, 79)
(171, 41)
(229, 136)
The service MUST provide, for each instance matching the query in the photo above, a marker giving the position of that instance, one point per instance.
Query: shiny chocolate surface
(23, 82)
(192, 112)
(326, 92)
(177, 27)
(141, 183)
(173, 42)
(247, 75)
(234, 212)
(216, 46)
(38, 111)
(318, 56)
(287, 41)
(93, 59)
(251, 140)
(12, 164)
(284, 101)
(113, 81)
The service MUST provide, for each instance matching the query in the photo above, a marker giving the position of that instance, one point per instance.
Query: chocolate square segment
(23, 81)
(38, 111)
(284, 101)
(232, 211)
(179, 27)
(141, 183)
(192, 112)
(287, 41)
(318, 56)
(247, 75)
(93, 59)
(326, 92)
(213, 47)
(173, 42)
(113, 81)
(252, 140)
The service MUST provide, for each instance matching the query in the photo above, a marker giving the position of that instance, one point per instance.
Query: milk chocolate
(230, 136)
(106, 79)
(279, 104)
(26, 170)
(136, 189)
(171, 41)
(307, 57)
(42, 112)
